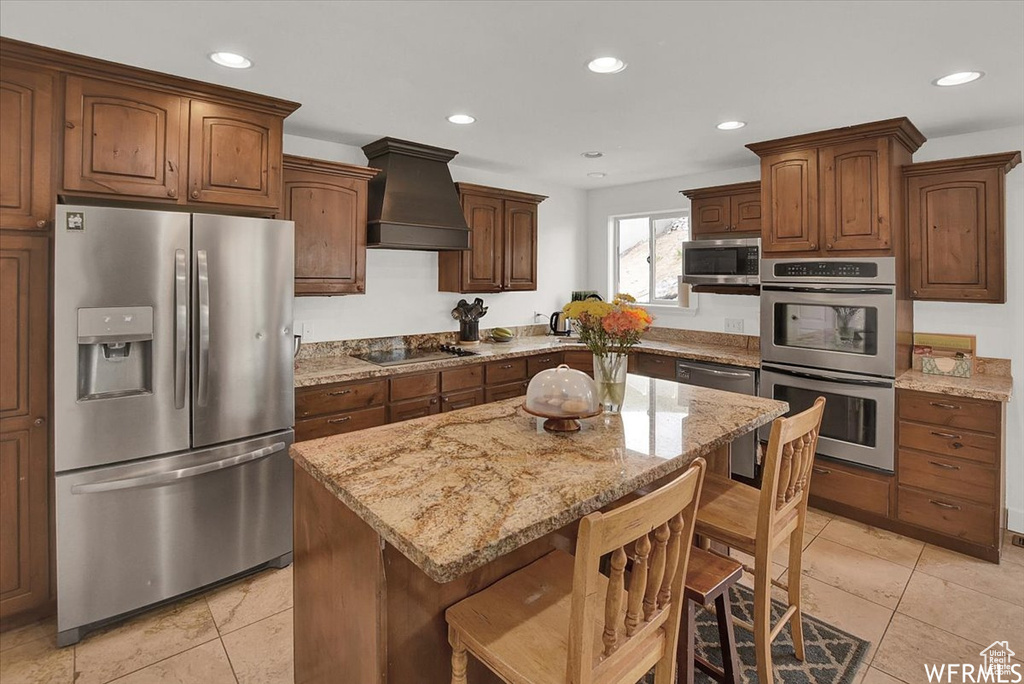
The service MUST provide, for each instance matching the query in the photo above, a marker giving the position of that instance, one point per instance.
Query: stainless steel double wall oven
(828, 328)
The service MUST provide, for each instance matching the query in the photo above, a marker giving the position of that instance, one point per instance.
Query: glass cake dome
(562, 395)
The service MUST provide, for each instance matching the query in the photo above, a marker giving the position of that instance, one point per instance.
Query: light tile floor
(914, 602)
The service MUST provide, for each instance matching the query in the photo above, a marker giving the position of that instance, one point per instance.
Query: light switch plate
(734, 325)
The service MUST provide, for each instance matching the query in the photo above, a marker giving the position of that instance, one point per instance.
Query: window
(649, 256)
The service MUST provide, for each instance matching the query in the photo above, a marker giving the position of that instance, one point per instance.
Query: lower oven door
(859, 422)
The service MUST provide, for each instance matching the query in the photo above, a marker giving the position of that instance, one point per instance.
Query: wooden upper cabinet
(26, 132)
(724, 210)
(502, 252)
(955, 218)
(835, 192)
(121, 139)
(855, 195)
(789, 189)
(234, 155)
(327, 202)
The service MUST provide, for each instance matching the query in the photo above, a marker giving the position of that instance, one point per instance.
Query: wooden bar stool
(559, 620)
(708, 578)
(758, 522)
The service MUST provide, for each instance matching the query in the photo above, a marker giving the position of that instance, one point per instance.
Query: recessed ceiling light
(597, 174)
(461, 119)
(959, 78)
(606, 65)
(230, 60)
(731, 125)
(594, 154)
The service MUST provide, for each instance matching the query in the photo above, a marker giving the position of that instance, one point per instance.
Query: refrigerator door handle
(176, 475)
(203, 276)
(180, 326)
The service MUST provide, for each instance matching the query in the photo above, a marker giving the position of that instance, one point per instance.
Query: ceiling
(363, 70)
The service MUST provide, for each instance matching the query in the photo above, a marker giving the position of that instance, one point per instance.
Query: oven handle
(823, 378)
(830, 290)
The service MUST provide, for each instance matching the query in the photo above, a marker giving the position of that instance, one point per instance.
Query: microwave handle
(823, 378)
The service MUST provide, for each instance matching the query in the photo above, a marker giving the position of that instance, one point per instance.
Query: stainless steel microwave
(717, 262)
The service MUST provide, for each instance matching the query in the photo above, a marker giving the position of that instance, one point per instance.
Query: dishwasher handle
(720, 373)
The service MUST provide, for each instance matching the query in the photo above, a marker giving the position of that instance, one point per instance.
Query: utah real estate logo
(996, 668)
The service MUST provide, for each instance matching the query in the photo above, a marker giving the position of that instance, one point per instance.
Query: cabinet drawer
(335, 398)
(955, 412)
(462, 378)
(335, 424)
(947, 515)
(536, 364)
(865, 493)
(505, 371)
(413, 386)
(413, 408)
(460, 400)
(949, 476)
(580, 360)
(654, 366)
(974, 446)
(506, 391)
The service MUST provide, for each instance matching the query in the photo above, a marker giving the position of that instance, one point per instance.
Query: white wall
(401, 286)
(999, 327)
(663, 195)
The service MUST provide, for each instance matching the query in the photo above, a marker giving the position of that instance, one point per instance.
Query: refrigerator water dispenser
(115, 352)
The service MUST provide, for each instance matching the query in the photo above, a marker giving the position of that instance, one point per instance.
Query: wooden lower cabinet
(850, 487)
(461, 400)
(536, 364)
(315, 401)
(340, 423)
(656, 366)
(413, 408)
(506, 391)
(580, 360)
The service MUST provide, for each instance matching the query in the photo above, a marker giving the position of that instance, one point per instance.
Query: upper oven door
(733, 261)
(859, 420)
(842, 327)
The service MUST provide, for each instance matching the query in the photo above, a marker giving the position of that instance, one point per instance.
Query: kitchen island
(396, 523)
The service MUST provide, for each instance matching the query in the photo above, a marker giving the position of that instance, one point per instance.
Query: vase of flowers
(610, 330)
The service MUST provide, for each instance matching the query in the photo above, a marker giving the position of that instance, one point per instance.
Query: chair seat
(709, 575)
(519, 626)
(728, 512)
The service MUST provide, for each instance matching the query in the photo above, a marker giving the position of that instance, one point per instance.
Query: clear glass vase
(610, 376)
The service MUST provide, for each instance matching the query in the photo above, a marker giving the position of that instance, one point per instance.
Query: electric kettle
(560, 324)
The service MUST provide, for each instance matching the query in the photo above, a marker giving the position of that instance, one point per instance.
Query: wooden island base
(364, 613)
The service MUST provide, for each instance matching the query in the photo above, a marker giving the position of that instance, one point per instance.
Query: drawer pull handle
(334, 421)
(943, 504)
(946, 466)
(823, 471)
(339, 393)
(544, 360)
(433, 401)
(948, 435)
(506, 365)
(941, 405)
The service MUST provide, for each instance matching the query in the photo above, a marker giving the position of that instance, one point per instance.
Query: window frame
(651, 217)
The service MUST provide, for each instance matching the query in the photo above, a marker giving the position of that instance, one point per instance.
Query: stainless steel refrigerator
(173, 404)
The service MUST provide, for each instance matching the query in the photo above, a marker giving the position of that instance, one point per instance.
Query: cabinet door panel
(234, 156)
(120, 139)
(26, 129)
(789, 196)
(745, 212)
(520, 257)
(855, 196)
(956, 236)
(482, 264)
(330, 232)
(710, 216)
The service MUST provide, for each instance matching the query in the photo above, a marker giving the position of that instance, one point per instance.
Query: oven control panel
(825, 269)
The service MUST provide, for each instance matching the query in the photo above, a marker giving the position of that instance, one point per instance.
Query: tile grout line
(138, 669)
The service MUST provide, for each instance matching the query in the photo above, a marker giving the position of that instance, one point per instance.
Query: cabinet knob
(39, 422)
(360, 288)
(41, 224)
(814, 245)
(433, 401)
(195, 194)
(913, 292)
(828, 246)
(68, 125)
(171, 192)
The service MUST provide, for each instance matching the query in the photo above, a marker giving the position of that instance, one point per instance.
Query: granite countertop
(455, 491)
(978, 386)
(324, 370)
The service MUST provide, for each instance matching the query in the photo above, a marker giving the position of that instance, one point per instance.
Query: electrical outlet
(734, 325)
(308, 331)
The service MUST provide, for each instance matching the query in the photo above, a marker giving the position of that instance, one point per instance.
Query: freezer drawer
(132, 535)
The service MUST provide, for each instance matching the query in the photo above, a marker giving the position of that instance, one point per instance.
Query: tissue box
(957, 366)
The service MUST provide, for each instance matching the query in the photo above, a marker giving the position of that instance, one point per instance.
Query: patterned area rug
(832, 655)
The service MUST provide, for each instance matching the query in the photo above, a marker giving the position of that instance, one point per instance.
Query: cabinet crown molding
(91, 67)
(1002, 160)
(296, 163)
(899, 128)
(718, 190)
(472, 189)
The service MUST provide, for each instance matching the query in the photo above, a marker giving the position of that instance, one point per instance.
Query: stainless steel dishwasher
(729, 379)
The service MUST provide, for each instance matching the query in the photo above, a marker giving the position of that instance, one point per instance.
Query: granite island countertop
(454, 491)
(323, 370)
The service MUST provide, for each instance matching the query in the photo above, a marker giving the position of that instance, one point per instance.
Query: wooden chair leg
(687, 643)
(763, 621)
(796, 624)
(727, 638)
(458, 657)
